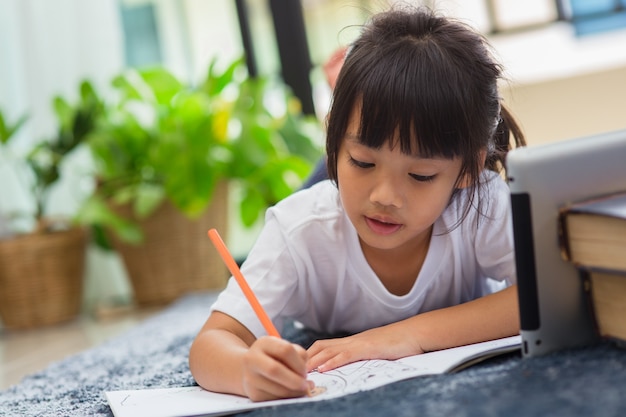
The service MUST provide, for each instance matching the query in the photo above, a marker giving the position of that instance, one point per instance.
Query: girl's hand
(275, 368)
(385, 342)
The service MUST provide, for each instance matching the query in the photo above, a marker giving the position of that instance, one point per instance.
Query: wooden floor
(23, 352)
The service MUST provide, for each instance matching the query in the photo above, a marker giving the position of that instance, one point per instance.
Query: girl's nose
(386, 193)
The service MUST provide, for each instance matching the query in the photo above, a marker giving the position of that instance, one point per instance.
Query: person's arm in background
(333, 66)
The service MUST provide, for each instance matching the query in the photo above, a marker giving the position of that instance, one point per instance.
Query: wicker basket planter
(176, 256)
(41, 278)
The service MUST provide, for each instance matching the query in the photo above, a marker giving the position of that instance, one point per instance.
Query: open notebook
(348, 379)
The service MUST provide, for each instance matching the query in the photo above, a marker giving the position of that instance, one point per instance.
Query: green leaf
(95, 211)
(131, 87)
(215, 83)
(163, 84)
(8, 130)
(64, 112)
(148, 198)
(100, 238)
(88, 93)
(301, 135)
(4, 131)
(251, 206)
(190, 182)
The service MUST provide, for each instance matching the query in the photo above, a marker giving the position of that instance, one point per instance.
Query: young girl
(408, 246)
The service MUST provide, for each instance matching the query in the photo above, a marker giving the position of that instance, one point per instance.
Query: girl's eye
(422, 178)
(360, 164)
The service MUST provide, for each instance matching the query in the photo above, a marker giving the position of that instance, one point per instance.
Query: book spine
(587, 285)
(566, 253)
(587, 278)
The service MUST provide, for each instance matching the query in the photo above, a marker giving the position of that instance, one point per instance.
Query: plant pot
(176, 256)
(41, 278)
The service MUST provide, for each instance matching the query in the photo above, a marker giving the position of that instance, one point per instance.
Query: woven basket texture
(41, 278)
(176, 256)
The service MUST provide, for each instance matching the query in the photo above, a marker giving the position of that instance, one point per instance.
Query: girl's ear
(466, 180)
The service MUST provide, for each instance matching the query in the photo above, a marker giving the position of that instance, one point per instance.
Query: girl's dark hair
(429, 78)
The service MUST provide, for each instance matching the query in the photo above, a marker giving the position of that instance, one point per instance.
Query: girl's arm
(226, 357)
(490, 317)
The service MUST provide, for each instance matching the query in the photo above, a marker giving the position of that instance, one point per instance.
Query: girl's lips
(381, 227)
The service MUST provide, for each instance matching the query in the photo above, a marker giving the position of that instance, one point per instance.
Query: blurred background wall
(566, 70)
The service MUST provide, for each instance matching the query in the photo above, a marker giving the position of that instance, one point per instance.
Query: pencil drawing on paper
(360, 375)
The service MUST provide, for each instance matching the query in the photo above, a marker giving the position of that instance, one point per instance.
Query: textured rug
(587, 381)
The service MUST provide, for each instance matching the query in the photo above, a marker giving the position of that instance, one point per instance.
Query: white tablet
(554, 310)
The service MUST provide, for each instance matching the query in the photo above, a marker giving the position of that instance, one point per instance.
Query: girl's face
(391, 198)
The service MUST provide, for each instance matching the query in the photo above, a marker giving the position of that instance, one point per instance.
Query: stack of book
(593, 237)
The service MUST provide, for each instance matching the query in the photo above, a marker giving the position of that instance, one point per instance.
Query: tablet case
(554, 313)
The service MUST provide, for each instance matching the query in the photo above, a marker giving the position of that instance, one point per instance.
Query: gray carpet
(588, 381)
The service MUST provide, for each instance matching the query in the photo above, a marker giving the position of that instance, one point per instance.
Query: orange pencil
(247, 291)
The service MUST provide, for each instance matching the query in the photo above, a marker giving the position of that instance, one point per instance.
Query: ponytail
(506, 130)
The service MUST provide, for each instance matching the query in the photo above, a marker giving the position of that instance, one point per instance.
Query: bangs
(419, 102)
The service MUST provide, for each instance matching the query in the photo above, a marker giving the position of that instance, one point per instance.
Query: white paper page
(351, 378)
(445, 360)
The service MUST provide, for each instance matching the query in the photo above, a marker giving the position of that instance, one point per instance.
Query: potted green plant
(166, 152)
(42, 262)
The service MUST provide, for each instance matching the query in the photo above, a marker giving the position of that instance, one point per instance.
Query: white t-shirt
(307, 264)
